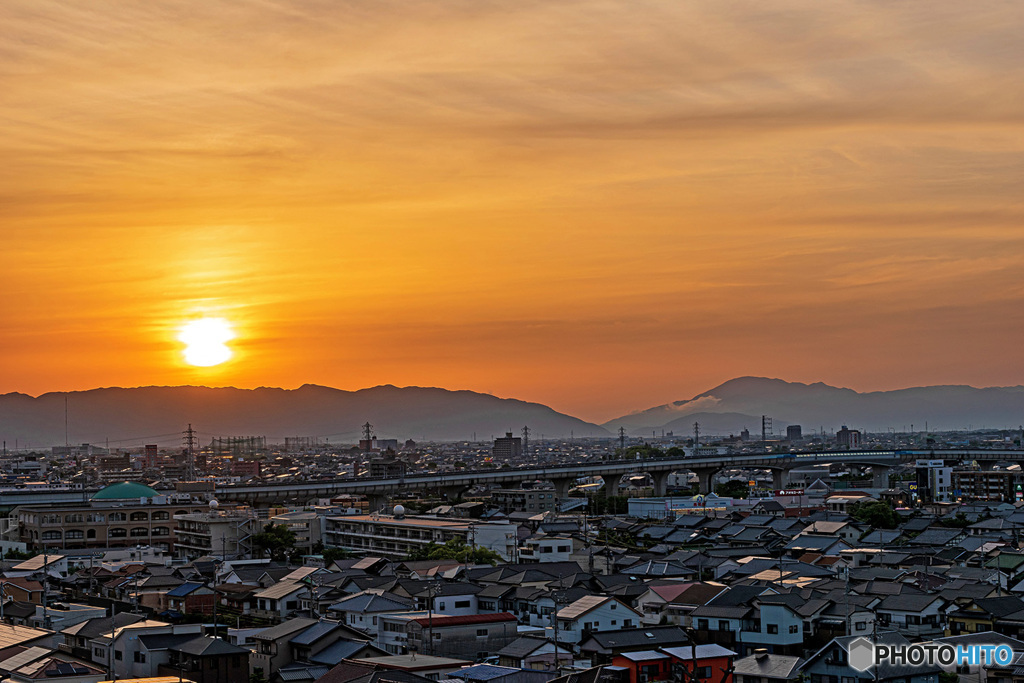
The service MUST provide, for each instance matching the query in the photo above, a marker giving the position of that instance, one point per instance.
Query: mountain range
(133, 416)
(159, 414)
(740, 403)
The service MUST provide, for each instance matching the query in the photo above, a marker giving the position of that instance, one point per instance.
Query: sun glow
(206, 340)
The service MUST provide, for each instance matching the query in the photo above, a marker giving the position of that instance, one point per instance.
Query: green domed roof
(125, 490)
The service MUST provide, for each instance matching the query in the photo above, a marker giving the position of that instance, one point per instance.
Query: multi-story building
(396, 536)
(387, 467)
(306, 525)
(226, 533)
(122, 514)
(934, 480)
(507, 448)
(848, 438)
(546, 549)
(524, 500)
(986, 484)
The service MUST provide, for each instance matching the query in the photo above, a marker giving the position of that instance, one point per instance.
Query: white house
(594, 613)
(278, 600)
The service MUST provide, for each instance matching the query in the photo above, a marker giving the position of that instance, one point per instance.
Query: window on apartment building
(459, 604)
(140, 657)
(702, 624)
(118, 655)
(563, 548)
(794, 629)
(441, 608)
(723, 625)
(772, 628)
(703, 672)
(97, 652)
(481, 632)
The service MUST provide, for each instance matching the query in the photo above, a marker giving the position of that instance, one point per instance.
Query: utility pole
(554, 620)
(431, 591)
(46, 586)
(110, 652)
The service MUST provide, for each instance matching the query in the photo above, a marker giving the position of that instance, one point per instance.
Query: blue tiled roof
(183, 590)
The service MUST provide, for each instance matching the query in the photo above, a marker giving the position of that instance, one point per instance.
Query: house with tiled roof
(362, 609)
(472, 636)
(594, 613)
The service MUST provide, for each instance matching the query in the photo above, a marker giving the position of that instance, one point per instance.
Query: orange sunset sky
(600, 206)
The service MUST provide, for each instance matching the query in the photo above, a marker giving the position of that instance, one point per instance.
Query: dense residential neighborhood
(637, 578)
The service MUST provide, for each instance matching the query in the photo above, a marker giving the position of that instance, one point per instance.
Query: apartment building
(396, 536)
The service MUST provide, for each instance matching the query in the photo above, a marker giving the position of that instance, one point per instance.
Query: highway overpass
(561, 476)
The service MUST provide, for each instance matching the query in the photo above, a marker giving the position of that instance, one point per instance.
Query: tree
(876, 514)
(276, 539)
(456, 549)
(960, 521)
(733, 489)
(330, 554)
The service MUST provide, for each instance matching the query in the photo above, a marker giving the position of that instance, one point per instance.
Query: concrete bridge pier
(611, 484)
(377, 501)
(660, 483)
(880, 476)
(562, 486)
(453, 493)
(779, 479)
(704, 478)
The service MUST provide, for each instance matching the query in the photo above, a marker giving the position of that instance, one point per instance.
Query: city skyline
(596, 207)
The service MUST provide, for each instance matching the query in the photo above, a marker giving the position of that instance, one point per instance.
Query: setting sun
(206, 341)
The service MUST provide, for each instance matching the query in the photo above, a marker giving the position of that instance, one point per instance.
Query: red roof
(466, 619)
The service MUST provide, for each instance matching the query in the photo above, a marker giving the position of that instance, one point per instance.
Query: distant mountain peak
(819, 405)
